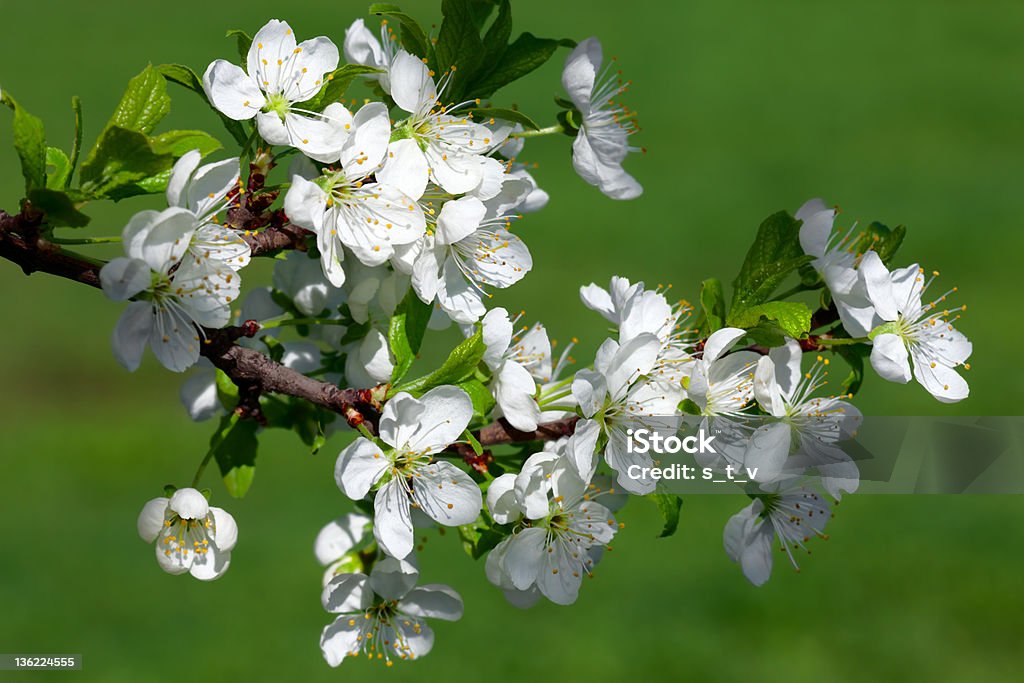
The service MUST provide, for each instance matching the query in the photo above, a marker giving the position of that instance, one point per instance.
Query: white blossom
(348, 208)
(173, 294)
(602, 142)
(406, 474)
(191, 536)
(914, 334)
(279, 75)
(384, 615)
(560, 530)
(790, 514)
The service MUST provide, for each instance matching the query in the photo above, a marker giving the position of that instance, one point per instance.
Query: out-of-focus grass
(906, 113)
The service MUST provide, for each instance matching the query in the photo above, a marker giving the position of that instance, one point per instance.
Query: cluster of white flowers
(909, 337)
(410, 198)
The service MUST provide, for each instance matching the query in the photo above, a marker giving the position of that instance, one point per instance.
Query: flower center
(277, 103)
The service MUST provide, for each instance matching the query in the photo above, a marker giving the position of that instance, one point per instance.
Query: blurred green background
(907, 112)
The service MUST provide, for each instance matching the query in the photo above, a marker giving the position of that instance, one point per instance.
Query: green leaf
(458, 367)
(854, 355)
(480, 395)
(775, 253)
(883, 240)
(405, 333)
(234, 446)
(712, 305)
(458, 45)
(58, 168)
(496, 38)
(59, 208)
(668, 505)
(186, 77)
(520, 58)
(414, 40)
(510, 115)
(479, 537)
(336, 85)
(179, 142)
(144, 104)
(243, 42)
(29, 143)
(791, 317)
(119, 160)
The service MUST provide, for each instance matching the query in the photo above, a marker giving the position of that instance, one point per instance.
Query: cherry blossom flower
(191, 536)
(406, 475)
(383, 615)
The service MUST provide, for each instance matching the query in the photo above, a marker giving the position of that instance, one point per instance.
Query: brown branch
(253, 372)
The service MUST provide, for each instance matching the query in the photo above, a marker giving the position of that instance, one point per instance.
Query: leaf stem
(286, 322)
(840, 341)
(550, 130)
(85, 240)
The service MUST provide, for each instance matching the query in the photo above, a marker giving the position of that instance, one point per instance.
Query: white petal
(208, 186)
(514, 389)
(523, 557)
(365, 148)
(768, 450)
(432, 601)
(720, 341)
(580, 72)
(581, 447)
(199, 395)
(497, 335)
(459, 219)
(392, 520)
(941, 381)
(890, 359)
(632, 360)
(340, 536)
(446, 494)
(307, 65)
(189, 503)
(342, 639)
(362, 47)
(392, 578)
(359, 466)
(875, 277)
(151, 519)
(225, 529)
(181, 176)
(756, 557)
(817, 226)
(271, 45)
(347, 593)
(501, 499)
(131, 334)
(455, 172)
(123, 278)
(174, 340)
(405, 168)
(411, 85)
(231, 91)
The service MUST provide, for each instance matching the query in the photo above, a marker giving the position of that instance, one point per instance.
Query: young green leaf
(414, 39)
(882, 239)
(179, 142)
(335, 85)
(775, 253)
(234, 447)
(29, 143)
(524, 55)
(712, 305)
(59, 208)
(480, 395)
(854, 355)
(510, 115)
(243, 41)
(120, 159)
(58, 168)
(791, 317)
(144, 104)
(459, 47)
(186, 77)
(458, 367)
(405, 333)
(76, 143)
(668, 505)
(496, 38)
